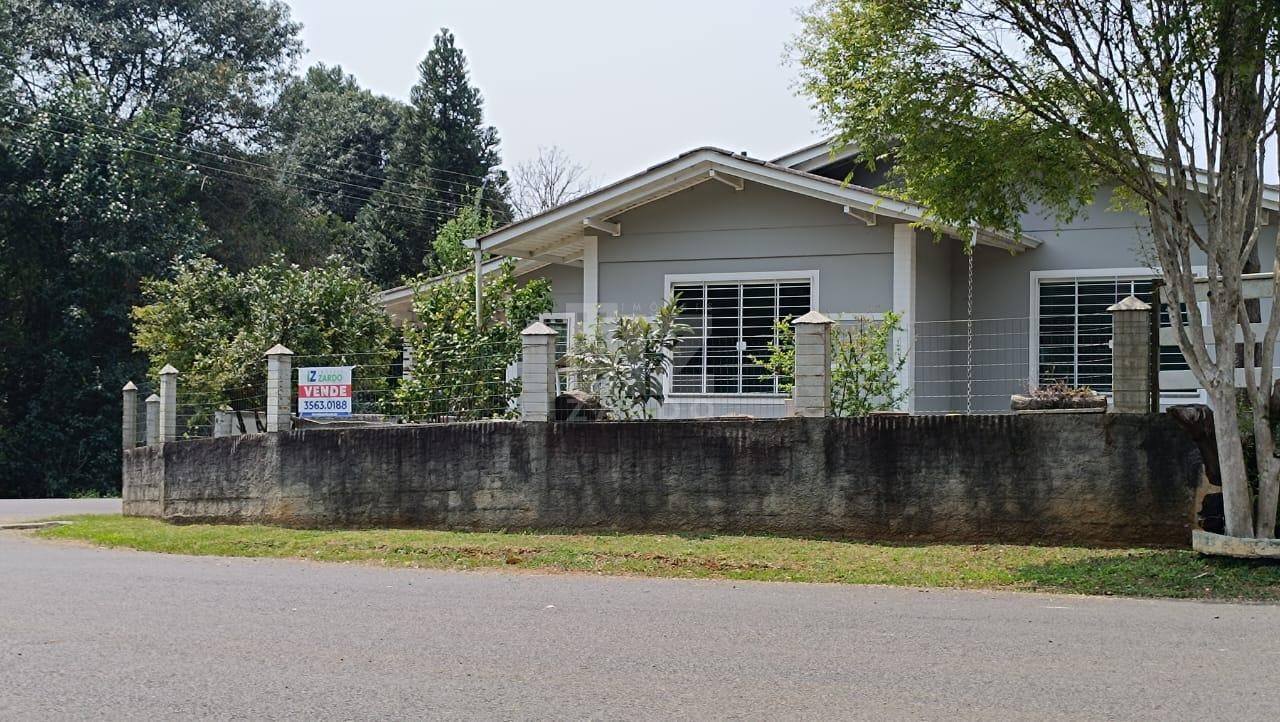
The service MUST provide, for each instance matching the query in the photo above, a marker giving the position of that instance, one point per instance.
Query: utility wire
(450, 206)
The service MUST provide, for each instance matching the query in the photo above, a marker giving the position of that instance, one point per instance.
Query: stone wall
(1065, 477)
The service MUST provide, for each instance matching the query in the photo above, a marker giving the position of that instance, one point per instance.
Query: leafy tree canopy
(216, 63)
(83, 218)
(214, 325)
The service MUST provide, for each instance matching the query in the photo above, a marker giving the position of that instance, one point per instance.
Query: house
(744, 242)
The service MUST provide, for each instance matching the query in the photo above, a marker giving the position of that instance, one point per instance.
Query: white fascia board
(598, 204)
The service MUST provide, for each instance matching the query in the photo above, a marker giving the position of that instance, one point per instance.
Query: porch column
(811, 393)
(904, 304)
(590, 283)
(1131, 356)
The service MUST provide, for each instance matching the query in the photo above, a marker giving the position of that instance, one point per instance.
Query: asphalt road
(14, 510)
(90, 633)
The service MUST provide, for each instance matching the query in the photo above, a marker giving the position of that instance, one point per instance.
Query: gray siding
(712, 228)
(566, 287)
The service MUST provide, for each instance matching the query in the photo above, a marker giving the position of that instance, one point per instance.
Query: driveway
(90, 633)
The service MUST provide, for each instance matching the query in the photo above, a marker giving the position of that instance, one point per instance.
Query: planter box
(1017, 402)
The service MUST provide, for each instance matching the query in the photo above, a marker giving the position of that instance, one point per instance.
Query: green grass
(1074, 570)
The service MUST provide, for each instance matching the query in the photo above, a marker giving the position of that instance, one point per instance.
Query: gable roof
(816, 155)
(556, 235)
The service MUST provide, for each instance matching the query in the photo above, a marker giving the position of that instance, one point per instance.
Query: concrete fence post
(811, 394)
(168, 403)
(279, 389)
(129, 418)
(153, 420)
(537, 373)
(1131, 356)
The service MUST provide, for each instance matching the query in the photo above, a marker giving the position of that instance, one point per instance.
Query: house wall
(566, 287)
(712, 228)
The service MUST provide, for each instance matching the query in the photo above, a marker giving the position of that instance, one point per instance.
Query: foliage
(447, 249)
(333, 137)
(215, 325)
(626, 365)
(441, 152)
(988, 107)
(1062, 391)
(214, 63)
(864, 365)
(83, 217)
(459, 369)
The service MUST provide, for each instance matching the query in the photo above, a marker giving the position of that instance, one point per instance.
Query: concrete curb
(32, 525)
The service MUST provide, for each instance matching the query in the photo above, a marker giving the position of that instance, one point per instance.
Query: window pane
(687, 357)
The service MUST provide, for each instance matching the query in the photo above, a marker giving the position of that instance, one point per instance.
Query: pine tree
(441, 153)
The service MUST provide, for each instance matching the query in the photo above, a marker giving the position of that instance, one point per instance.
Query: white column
(478, 262)
(406, 361)
(153, 420)
(168, 403)
(279, 389)
(811, 394)
(129, 418)
(904, 304)
(590, 283)
(537, 373)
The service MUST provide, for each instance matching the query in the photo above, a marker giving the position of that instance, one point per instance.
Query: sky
(618, 85)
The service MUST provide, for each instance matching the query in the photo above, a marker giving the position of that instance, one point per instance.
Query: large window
(733, 322)
(1075, 329)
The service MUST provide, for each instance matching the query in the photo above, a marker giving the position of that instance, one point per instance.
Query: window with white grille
(1075, 329)
(733, 323)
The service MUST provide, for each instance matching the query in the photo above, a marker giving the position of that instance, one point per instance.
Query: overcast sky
(618, 85)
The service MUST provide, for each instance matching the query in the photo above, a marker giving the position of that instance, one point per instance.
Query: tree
(333, 138)
(546, 181)
(460, 367)
(214, 326)
(215, 63)
(626, 366)
(988, 106)
(448, 250)
(864, 365)
(83, 217)
(442, 154)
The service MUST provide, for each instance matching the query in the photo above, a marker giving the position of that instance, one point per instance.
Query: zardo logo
(314, 377)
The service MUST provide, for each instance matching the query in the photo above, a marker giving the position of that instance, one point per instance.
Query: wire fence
(436, 384)
(965, 366)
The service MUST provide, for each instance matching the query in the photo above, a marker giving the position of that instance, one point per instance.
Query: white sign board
(324, 391)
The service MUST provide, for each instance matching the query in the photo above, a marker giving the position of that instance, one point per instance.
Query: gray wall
(1052, 478)
(566, 287)
(712, 228)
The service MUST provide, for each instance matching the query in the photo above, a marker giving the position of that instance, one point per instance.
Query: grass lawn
(1074, 570)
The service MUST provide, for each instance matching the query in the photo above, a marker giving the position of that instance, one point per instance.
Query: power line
(356, 151)
(452, 207)
(195, 164)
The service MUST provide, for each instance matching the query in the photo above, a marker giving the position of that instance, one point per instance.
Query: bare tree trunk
(1237, 506)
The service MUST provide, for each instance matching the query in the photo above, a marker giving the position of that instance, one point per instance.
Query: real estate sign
(324, 391)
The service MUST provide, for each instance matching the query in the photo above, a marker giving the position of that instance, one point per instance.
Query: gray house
(744, 242)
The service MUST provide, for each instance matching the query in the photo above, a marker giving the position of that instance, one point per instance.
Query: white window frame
(672, 279)
(570, 318)
(1133, 273)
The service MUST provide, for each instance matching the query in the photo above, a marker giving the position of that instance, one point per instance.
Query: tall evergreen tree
(441, 153)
